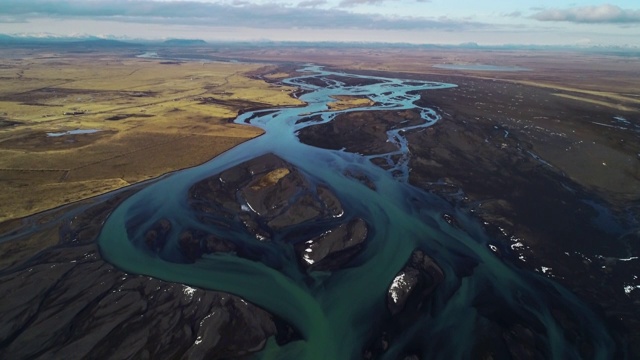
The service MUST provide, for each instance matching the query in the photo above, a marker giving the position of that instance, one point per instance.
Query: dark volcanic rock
(194, 243)
(303, 209)
(496, 341)
(234, 330)
(331, 202)
(417, 279)
(401, 288)
(267, 198)
(65, 302)
(521, 343)
(408, 298)
(156, 237)
(251, 224)
(190, 245)
(264, 194)
(363, 132)
(535, 168)
(87, 308)
(363, 178)
(334, 248)
(268, 194)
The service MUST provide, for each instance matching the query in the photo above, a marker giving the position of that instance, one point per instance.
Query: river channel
(340, 313)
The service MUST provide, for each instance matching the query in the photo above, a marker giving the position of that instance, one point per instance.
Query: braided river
(340, 313)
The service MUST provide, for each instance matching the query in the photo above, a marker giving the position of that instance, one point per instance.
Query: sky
(495, 22)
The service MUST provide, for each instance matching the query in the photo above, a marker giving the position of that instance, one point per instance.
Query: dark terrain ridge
(467, 157)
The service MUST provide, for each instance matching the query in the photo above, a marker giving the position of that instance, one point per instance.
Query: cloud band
(590, 15)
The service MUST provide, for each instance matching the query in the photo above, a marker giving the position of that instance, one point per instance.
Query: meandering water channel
(337, 313)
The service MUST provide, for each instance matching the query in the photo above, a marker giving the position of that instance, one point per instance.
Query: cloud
(239, 14)
(312, 3)
(590, 14)
(352, 3)
(11, 20)
(514, 14)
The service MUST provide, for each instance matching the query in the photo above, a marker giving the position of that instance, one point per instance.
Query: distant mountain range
(45, 39)
(184, 42)
(84, 40)
(92, 41)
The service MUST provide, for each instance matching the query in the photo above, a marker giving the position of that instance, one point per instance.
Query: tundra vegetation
(75, 126)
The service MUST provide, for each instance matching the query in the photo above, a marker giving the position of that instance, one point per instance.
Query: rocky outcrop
(268, 196)
(195, 243)
(334, 248)
(408, 299)
(156, 237)
(265, 194)
(416, 282)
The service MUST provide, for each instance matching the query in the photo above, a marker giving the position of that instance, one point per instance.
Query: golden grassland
(344, 102)
(152, 118)
(270, 178)
(277, 76)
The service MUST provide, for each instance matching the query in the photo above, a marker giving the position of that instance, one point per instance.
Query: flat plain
(75, 126)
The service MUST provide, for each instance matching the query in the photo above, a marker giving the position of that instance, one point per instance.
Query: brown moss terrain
(150, 117)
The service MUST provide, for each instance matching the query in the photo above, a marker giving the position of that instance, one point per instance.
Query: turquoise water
(338, 313)
(73, 132)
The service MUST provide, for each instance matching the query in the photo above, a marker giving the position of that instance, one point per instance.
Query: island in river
(485, 206)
